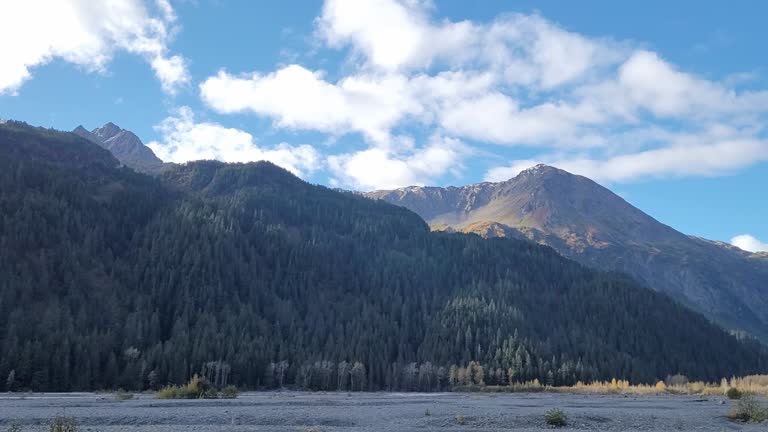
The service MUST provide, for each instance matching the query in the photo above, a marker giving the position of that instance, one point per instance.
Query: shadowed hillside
(109, 278)
(586, 222)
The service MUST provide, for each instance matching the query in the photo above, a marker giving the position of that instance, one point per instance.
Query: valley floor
(390, 412)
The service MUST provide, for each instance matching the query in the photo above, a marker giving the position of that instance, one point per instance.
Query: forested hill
(109, 278)
(588, 223)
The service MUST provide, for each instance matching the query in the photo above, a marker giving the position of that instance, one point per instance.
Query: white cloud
(608, 109)
(298, 98)
(399, 35)
(497, 118)
(533, 51)
(167, 10)
(393, 34)
(397, 166)
(647, 82)
(184, 139)
(655, 85)
(85, 33)
(372, 104)
(171, 71)
(702, 159)
(396, 40)
(749, 243)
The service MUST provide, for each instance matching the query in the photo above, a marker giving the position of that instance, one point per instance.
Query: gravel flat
(334, 412)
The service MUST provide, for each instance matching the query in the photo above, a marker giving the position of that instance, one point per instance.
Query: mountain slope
(113, 278)
(587, 222)
(125, 146)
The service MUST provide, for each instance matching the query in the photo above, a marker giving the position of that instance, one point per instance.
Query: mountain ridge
(126, 146)
(587, 222)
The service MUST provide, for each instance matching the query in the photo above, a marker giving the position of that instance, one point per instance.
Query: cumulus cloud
(171, 71)
(606, 108)
(298, 98)
(495, 117)
(87, 34)
(392, 85)
(399, 34)
(397, 166)
(703, 159)
(184, 139)
(749, 243)
(394, 34)
(647, 83)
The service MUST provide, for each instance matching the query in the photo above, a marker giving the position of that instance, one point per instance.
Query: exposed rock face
(125, 146)
(589, 223)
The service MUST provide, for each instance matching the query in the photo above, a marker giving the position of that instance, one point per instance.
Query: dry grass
(196, 388)
(750, 385)
(755, 384)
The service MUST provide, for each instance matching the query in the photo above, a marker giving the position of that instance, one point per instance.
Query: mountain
(112, 278)
(125, 146)
(587, 222)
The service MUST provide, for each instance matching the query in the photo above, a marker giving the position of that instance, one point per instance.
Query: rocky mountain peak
(541, 169)
(124, 145)
(85, 133)
(546, 175)
(107, 131)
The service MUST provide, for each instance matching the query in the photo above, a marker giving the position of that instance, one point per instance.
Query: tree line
(245, 273)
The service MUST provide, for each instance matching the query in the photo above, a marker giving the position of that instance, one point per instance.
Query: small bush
(229, 392)
(209, 393)
(197, 388)
(427, 412)
(14, 427)
(748, 409)
(460, 420)
(555, 417)
(168, 392)
(123, 395)
(63, 424)
(734, 393)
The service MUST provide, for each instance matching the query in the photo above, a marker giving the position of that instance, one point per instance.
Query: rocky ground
(390, 412)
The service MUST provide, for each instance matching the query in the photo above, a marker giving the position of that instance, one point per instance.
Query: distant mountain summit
(589, 223)
(124, 145)
(107, 131)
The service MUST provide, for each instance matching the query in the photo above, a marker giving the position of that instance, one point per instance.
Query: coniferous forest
(110, 278)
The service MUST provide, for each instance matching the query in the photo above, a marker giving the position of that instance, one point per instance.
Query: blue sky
(663, 102)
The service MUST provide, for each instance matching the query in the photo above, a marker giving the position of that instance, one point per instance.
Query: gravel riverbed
(390, 412)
